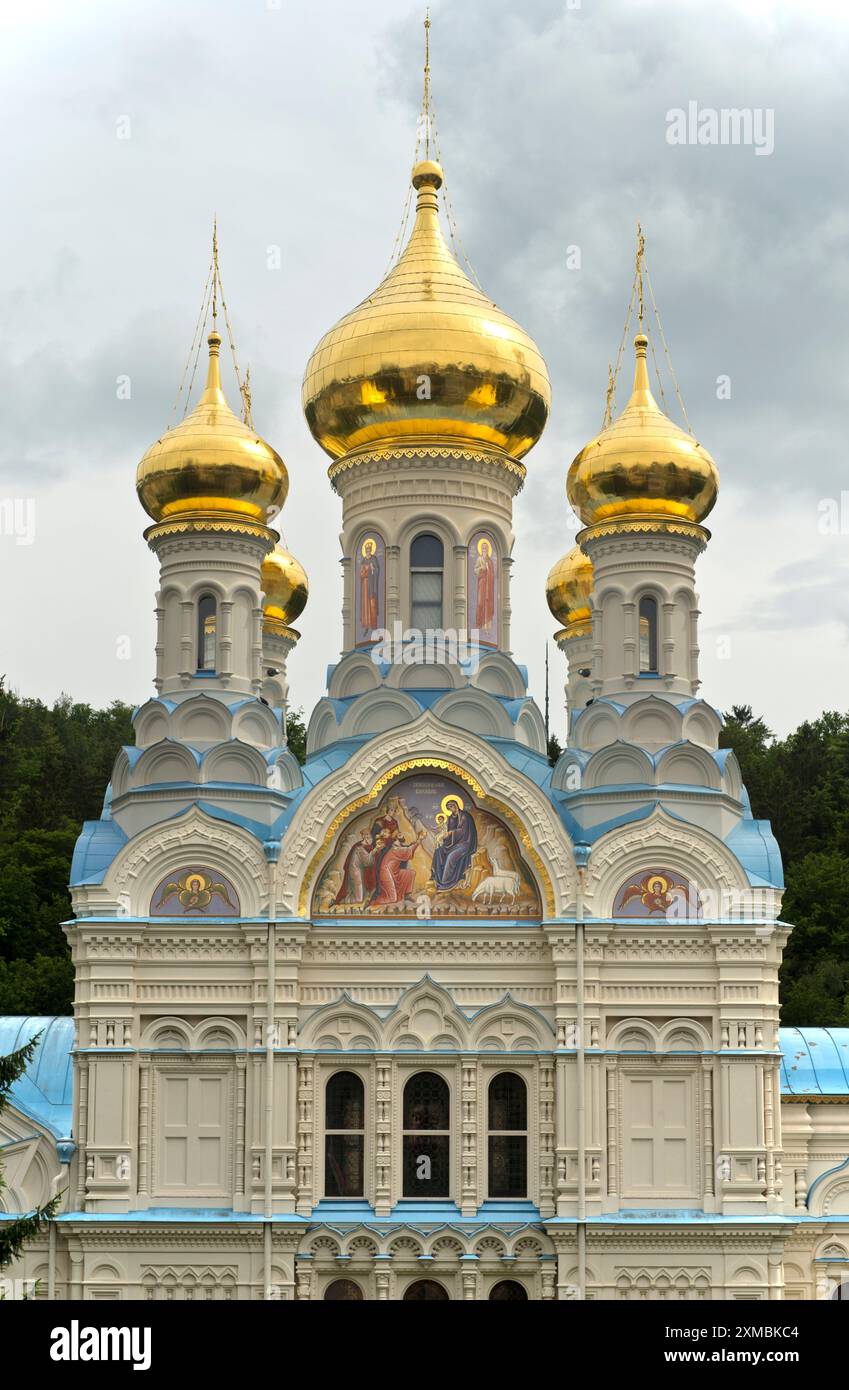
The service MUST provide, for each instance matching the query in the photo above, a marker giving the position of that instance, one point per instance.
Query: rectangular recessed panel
(209, 1102)
(175, 1162)
(176, 1100)
(642, 1163)
(209, 1163)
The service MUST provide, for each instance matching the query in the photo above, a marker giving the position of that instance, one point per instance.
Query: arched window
(206, 633)
(426, 1291)
(648, 635)
(508, 1136)
(427, 1126)
(426, 564)
(344, 1135)
(508, 1291)
(343, 1291)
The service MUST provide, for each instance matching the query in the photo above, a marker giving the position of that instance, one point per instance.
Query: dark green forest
(55, 764)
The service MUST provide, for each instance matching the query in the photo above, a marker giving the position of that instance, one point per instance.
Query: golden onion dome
(212, 463)
(285, 586)
(568, 587)
(642, 464)
(426, 359)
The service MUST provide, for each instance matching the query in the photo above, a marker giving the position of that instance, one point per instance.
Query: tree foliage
(14, 1234)
(55, 764)
(801, 784)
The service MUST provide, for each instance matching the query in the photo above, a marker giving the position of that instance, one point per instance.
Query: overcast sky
(294, 121)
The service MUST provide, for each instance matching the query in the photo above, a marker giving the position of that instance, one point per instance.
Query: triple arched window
(426, 1136)
(427, 563)
(207, 621)
(648, 635)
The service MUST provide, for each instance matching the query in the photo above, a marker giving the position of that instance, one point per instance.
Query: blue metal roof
(814, 1061)
(45, 1091)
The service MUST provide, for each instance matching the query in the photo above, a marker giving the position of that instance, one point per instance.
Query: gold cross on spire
(247, 403)
(641, 255)
(215, 275)
(611, 393)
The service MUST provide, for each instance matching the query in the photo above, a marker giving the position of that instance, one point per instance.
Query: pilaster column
(224, 644)
(461, 603)
(383, 1135)
(506, 606)
(393, 585)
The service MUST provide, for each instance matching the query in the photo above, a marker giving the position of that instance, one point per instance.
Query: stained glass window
(508, 1291)
(508, 1136)
(426, 1291)
(427, 1137)
(343, 1291)
(344, 1136)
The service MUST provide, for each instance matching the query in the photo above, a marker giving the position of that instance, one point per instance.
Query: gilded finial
(215, 275)
(426, 99)
(641, 255)
(611, 392)
(247, 403)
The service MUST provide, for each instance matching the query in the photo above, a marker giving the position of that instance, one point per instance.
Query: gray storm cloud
(126, 128)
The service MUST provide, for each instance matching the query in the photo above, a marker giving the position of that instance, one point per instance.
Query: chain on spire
(642, 281)
(213, 290)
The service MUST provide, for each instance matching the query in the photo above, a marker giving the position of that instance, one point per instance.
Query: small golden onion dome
(642, 464)
(569, 586)
(426, 359)
(285, 585)
(212, 463)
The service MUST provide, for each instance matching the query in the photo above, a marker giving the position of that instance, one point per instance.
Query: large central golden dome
(426, 359)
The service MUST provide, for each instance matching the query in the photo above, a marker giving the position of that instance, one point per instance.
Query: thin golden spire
(426, 98)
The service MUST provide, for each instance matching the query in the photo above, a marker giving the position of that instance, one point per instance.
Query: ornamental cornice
(644, 531)
(188, 1235)
(697, 1236)
(207, 527)
(412, 455)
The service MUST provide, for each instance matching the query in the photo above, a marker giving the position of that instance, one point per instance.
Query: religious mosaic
(482, 583)
(370, 587)
(426, 850)
(659, 893)
(195, 893)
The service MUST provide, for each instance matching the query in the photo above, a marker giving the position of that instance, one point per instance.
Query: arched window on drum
(207, 622)
(427, 562)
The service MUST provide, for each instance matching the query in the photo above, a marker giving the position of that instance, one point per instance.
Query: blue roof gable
(45, 1091)
(98, 843)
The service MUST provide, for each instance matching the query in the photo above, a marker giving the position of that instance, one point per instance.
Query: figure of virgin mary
(459, 840)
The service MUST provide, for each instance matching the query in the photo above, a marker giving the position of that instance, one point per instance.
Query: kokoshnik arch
(427, 1009)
